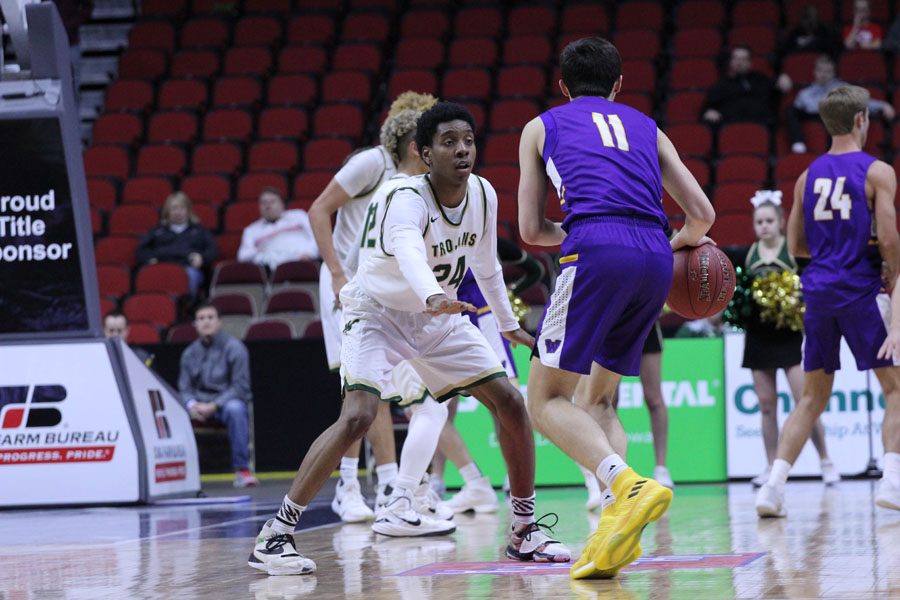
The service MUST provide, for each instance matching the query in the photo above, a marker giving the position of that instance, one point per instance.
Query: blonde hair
(172, 199)
(397, 128)
(411, 101)
(839, 108)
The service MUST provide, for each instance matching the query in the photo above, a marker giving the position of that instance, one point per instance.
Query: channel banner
(847, 419)
(65, 437)
(41, 282)
(693, 389)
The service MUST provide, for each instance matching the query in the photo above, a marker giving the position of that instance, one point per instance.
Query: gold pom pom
(519, 308)
(780, 300)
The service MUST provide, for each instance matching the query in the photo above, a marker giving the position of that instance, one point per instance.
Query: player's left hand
(441, 304)
(518, 337)
(890, 349)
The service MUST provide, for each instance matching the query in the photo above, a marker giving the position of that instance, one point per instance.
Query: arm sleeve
(209, 252)
(361, 172)
(247, 251)
(239, 389)
(185, 388)
(404, 222)
(486, 268)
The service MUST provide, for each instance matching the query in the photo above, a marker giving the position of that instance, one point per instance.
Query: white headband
(763, 196)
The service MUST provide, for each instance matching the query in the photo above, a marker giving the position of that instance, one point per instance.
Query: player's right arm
(796, 233)
(533, 226)
(684, 189)
(883, 181)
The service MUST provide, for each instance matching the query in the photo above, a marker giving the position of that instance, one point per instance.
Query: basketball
(702, 282)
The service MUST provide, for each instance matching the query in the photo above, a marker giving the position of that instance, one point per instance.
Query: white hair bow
(762, 196)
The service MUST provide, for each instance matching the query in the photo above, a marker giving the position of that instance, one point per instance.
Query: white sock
(607, 499)
(779, 474)
(425, 425)
(522, 509)
(891, 471)
(349, 468)
(287, 516)
(470, 473)
(609, 468)
(386, 473)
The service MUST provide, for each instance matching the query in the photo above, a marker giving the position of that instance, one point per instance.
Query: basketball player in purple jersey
(843, 199)
(608, 163)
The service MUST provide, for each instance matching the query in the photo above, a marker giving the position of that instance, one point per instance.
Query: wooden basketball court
(834, 544)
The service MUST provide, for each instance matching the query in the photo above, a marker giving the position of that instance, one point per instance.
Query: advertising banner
(693, 389)
(41, 281)
(172, 462)
(846, 420)
(64, 434)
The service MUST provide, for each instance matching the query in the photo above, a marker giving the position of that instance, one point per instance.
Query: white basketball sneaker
(348, 503)
(427, 502)
(595, 498)
(770, 501)
(830, 475)
(761, 479)
(382, 495)
(398, 518)
(663, 477)
(276, 554)
(529, 542)
(477, 495)
(888, 495)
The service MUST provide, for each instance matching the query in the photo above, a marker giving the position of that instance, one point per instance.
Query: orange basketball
(702, 282)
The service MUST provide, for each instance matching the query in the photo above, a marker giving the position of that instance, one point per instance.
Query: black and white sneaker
(398, 519)
(276, 554)
(529, 542)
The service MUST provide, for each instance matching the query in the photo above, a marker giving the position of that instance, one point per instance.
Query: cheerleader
(766, 348)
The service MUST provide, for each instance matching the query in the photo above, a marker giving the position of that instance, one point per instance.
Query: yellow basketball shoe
(639, 501)
(584, 567)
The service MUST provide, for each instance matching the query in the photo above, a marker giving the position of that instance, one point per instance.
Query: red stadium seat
(291, 89)
(522, 81)
(181, 333)
(280, 7)
(233, 125)
(169, 278)
(697, 43)
(114, 281)
(309, 184)
(106, 161)
(207, 215)
(365, 26)
(251, 185)
(762, 13)
(313, 330)
(339, 120)
(357, 57)
(280, 156)
(311, 28)
(116, 249)
(178, 127)
(512, 114)
(742, 168)
(155, 308)
(202, 64)
(693, 74)
(239, 215)
(346, 86)
(637, 44)
(134, 220)
(472, 52)
(269, 329)
(251, 61)
(204, 33)
(638, 76)
(691, 139)
(735, 196)
(699, 13)
(466, 83)
(750, 138)
(161, 159)
(180, 94)
(325, 154)
(527, 50)
(228, 244)
(151, 191)
(102, 193)
(233, 304)
(505, 179)
(585, 18)
(140, 332)
(220, 158)
(478, 22)
(799, 67)
(419, 53)
(146, 65)
(283, 123)
(237, 92)
(420, 80)
(214, 190)
(734, 229)
(640, 15)
(759, 38)
(792, 166)
(295, 306)
(174, 9)
(825, 8)
(502, 149)
(684, 107)
(862, 66)
(536, 20)
(699, 168)
(118, 129)
(637, 101)
(129, 95)
(257, 31)
(153, 35)
(302, 59)
(432, 24)
(107, 305)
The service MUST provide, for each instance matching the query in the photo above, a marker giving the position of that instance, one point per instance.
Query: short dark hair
(590, 66)
(272, 190)
(442, 112)
(203, 305)
(115, 314)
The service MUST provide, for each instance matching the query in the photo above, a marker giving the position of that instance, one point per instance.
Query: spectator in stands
(743, 94)
(811, 35)
(214, 382)
(279, 235)
(179, 238)
(862, 34)
(806, 104)
(115, 324)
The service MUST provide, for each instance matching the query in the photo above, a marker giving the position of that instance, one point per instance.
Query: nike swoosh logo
(433, 219)
(415, 523)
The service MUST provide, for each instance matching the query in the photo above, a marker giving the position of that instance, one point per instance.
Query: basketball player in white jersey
(348, 195)
(401, 306)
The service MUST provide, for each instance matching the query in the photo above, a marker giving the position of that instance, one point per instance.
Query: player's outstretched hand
(337, 282)
(890, 349)
(518, 336)
(441, 304)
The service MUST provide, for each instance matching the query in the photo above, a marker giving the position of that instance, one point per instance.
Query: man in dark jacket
(215, 385)
(743, 94)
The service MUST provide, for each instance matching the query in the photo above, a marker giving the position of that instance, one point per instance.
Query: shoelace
(278, 541)
(536, 526)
